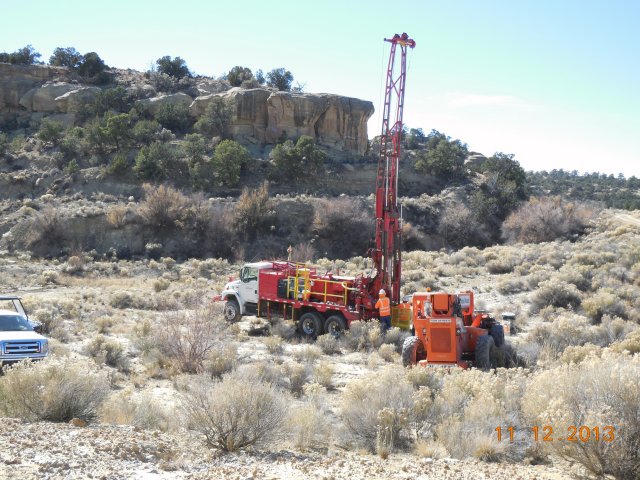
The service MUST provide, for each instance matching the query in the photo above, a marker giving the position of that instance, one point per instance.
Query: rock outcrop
(263, 115)
(260, 115)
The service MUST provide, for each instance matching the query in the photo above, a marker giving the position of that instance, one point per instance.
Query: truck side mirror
(37, 326)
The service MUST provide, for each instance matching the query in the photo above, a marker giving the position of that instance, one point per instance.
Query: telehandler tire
(232, 311)
(412, 351)
(497, 332)
(485, 353)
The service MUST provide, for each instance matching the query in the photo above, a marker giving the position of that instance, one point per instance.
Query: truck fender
(227, 295)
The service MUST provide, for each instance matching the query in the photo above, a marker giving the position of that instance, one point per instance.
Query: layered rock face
(260, 116)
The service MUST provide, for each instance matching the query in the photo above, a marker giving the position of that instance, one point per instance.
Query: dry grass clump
(604, 302)
(123, 300)
(363, 336)
(55, 390)
(117, 216)
(144, 411)
(555, 293)
(388, 352)
(164, 207)
(285, 329)
(108, 351)
(375, 410)
(297, 375)
(471, 404)
(328, 343)
(161, 285)
(274, 344)
(221, 359)
(597, 392)
(430, 449)
(546, 219)
(234, 414)
(187, 339)
(308, 424)
(308, 353)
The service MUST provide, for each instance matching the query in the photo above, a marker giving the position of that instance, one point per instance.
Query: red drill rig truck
(327, 302)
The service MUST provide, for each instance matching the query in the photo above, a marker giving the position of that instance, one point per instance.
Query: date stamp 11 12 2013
(572, 433)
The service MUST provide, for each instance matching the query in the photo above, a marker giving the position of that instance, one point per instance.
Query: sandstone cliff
(260, 116)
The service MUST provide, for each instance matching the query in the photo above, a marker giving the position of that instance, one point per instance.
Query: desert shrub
(297, 375)
(216, 118)
(52, 323)
(157, 161)
(92, 68)
(280, 78)
(72, 167)
(604, 302)
(597, 392)
(145, 132)
(307, 423)
(631, 343)
(328, 343)
(25, 56)
(308, 353)
(4, 142)
(555, 293)
(375, 410)
(174, 117)
(108, 351)
(234, 414)
(252, 213)
(239, 74)
(174, 67)
(229, 158)
(274, 345)
(50, 132)
(54, 390)
(334, 218)
(46, 227)
(459, 227)
(300, 161)
(546, 219)
(65, 57)
(143, 411)
(442, 157)
(388, 352)
(395, 337)
(189, 338)
(511, 285)
(303, 252)
(222, 359)
(113, 99)
(164, 207)
(284, 329)
(363, 335)
(322, 374)
(468, 408)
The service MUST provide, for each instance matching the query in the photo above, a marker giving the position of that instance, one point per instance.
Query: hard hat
(382, 292)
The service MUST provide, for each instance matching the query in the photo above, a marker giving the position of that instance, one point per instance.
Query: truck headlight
(44, 347)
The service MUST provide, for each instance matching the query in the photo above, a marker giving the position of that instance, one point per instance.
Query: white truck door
(249, 284)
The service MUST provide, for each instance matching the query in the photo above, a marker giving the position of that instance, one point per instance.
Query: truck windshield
(14, 323)
(249, 273)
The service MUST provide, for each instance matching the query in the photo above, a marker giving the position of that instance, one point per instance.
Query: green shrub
(304, 160)
(66, 57)
(443, 157)
(25, 56)
(174, 67)
(92, 68)
(116, 98)
(228, 161)
(174, 117)
(239, 74)
(216, 118)
(146, 131)
(109, 352)
(119, 165)
(556, 294)
(235, 414)
(50, 132)
(72, 167)
(280, 78)
(54, 390)
(156, 161)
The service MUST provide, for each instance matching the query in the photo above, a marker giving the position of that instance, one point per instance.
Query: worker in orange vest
(384, 306)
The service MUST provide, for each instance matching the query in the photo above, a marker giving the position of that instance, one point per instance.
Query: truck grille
(21, 348)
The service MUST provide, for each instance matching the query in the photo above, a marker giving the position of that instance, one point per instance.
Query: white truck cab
(242, 294)
(19, 339)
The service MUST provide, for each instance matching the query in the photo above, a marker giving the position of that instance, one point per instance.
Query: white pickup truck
(19, 337)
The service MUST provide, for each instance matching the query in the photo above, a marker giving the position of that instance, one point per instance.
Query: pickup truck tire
(310, 324)
(335, 324)
(232, 310)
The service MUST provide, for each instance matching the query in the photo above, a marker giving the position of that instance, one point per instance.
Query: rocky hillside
(259, 115)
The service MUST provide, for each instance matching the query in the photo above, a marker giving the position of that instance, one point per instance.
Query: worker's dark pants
(385, 323)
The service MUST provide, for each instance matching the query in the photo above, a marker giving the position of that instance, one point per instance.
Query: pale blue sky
(554, 82)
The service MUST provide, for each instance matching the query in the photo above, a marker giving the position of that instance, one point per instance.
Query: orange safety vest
(385, 307)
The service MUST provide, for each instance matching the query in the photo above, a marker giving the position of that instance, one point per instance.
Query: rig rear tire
(412, 351)
(485, 353)
(335, 325)
(310, 324)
